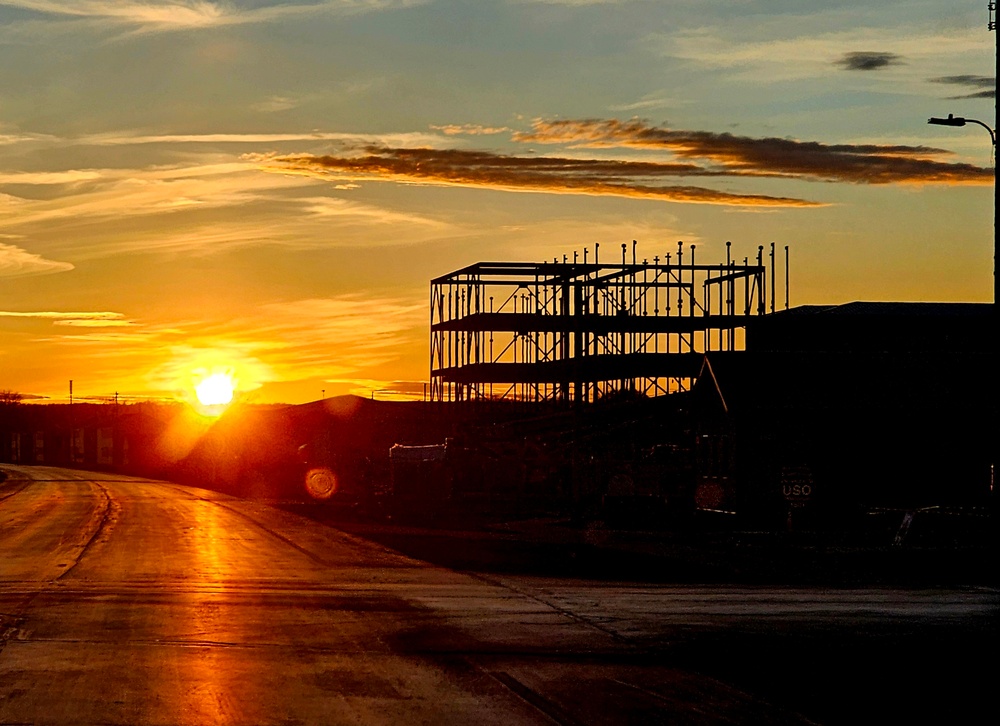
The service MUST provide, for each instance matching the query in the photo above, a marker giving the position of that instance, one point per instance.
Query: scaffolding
(581, 331)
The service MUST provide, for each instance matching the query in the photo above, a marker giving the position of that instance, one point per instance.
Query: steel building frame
(581, 331)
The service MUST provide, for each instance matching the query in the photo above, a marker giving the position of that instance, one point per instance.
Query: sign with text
(797, 484)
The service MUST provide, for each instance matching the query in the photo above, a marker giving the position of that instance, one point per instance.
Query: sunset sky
(267, 186)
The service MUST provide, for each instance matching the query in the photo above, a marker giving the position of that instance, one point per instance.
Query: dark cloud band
(517, 173)
(981, 86)
(702, 154)
(743, 155)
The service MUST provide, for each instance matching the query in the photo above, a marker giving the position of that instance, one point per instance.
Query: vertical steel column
(772, 277)
(762, 282)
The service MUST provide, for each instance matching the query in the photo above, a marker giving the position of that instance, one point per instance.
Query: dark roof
(894, 309)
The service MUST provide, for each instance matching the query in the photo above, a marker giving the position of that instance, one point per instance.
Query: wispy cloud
(297, 225)
(153, 14)
(343, 334)
(16, 262)
(128, 139)
(470, 129)
(74, 319)
(867, 60)
(19, 138)
(742, 155)
(983, 86)
(194, 209)
(276, 104)
(172, 15)
(71, 203)
(553, 175)
(114, 193)
(650, 100)
(328, 208)
(71, 176)
(575, 3)
(95, 323)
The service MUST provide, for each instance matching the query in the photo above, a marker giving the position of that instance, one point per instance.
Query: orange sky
(266, 187)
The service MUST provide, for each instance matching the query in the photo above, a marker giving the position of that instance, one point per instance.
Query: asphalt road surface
(130, 601)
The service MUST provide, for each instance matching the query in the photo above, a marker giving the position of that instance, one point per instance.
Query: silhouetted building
(867, 404)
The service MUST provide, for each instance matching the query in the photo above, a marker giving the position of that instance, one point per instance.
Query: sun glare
(215, 390)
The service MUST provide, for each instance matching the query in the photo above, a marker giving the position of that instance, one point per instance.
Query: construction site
(644, 393)
(654, 390)
(582, 330)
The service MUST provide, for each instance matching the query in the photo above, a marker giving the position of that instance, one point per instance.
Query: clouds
(470, 129)
(224, 140)
(74, 320)
(703, 154)
(742, 155)
(277, 104)
(150, 15)
(343, 334)
(982, 86)
(70, 176)
(660, 163)
(786, 53)
(552, 175)
(16, 262)
(197, 194)
(198, 210)
(176, 15)
(868, 61)
(111, 194)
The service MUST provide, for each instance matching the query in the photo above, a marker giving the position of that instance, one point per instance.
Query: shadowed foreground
(129, 601)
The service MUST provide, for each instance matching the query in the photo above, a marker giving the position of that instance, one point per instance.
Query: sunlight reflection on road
(210, 691)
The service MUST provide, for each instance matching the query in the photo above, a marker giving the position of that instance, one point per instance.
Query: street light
(953, 120)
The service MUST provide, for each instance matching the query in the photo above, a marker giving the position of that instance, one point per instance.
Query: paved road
(130, 601)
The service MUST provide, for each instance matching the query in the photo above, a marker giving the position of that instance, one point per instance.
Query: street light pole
(953, 120)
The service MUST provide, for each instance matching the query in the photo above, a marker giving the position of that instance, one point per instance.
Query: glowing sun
(215, 390)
